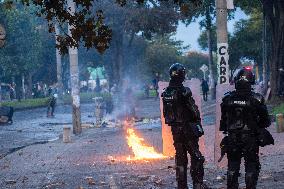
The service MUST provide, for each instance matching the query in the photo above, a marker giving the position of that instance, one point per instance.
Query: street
(97, 157)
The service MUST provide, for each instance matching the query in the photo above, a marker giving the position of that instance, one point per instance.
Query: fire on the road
(141, 151)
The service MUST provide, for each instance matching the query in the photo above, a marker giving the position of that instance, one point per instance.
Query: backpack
(170, 106)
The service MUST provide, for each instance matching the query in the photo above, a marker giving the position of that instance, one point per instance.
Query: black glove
(197, 129)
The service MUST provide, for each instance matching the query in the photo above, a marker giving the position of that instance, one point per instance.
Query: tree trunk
(0, 91)
(30, 85)
(23, 87)
(274, 9)
(264, 55)
(74, 74)
(210, 60)
(58, 63)
(119, 58)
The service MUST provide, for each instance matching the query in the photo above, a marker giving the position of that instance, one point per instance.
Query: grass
(26, 104)
(66, 99)
(278, 109)
(42, 102)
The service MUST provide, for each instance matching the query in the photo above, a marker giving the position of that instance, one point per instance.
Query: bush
(278, 109)
(26, 104)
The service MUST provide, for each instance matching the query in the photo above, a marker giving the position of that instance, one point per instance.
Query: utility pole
(222, 42)
(222, 69)
(58, 62)
(74, 74)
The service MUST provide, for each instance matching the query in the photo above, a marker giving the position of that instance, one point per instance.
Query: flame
(140, 150)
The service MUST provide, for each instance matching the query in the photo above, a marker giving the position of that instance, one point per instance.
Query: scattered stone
(220, 178)
(10, 182)
(171, 167)
(24, 179)
(111, 158)
(266, 176)
(158, 181)
(90, 180)
(20, 153)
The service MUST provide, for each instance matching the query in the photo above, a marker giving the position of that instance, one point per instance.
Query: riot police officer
(182, 114)
(243, 121)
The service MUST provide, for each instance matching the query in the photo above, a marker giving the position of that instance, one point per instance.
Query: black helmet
(177, 71)
(244, 78)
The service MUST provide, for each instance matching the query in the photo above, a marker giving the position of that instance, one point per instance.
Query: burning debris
(140, 149)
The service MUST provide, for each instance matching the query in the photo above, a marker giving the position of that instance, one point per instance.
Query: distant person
(155, 82)
(146, 89)
(205, 89)
(51, 103)
(98, 85)
(12, 92)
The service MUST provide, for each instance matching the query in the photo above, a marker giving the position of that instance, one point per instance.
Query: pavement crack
(13, 150)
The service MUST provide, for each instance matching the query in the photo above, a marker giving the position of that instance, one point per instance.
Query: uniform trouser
(185, 142)
(252, 166)
(52, 108)
(205, 95)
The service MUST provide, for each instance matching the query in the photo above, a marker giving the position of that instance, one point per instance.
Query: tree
(273, 11)
(161, 53)
(23, 40)
(89, 26)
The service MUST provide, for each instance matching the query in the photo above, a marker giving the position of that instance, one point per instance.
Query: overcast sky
(191, 33)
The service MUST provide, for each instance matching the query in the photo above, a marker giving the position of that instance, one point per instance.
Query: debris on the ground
(88, 125)
(143, 177)
(220, 178)
(24, 179)
(90, 180)
(171, 167)
(54, 185)
(20, 153)
(111, 158)
(266, 176)
(10, 182)
(158, 181)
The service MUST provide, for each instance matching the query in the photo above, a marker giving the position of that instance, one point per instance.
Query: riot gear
(244, 119)
(182, 114)
(244, 78)
(177, 72)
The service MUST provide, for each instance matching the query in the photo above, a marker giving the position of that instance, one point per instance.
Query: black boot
(181, 177)
(200, 186)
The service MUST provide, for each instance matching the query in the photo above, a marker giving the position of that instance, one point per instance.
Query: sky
(191, 33)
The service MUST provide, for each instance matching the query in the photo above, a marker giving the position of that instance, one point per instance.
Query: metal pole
(222, 70)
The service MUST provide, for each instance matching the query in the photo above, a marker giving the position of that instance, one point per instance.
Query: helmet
(244, 77)
(177, 71)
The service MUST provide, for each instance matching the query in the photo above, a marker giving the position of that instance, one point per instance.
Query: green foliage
(161, 53)
(246, 41)
(203, 40)
(89, 27)
(26, 104)
(193, 61)
(278, 109)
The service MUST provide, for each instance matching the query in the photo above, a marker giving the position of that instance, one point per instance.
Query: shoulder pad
(187, 91)
(258, 97)
(228, 94)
